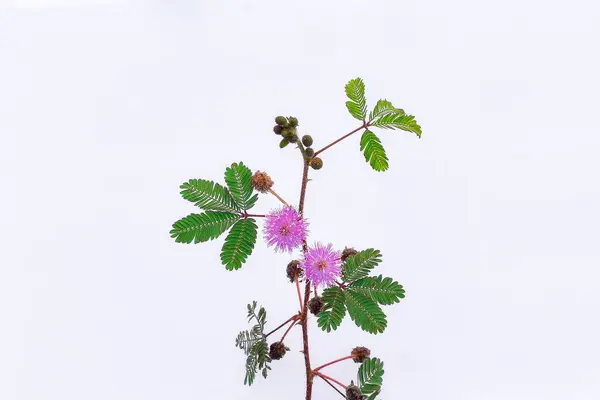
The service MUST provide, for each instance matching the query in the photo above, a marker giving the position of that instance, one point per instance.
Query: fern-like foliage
(384, 107)
(374, 152)
(359, 265)
(202, 227)
(370, 377)
(384, 291)
(398, 121)
(239, 243)
(365, 313)
(254, 344)
(357, 105)
(334, 309)
(208, 195)
(239, 181)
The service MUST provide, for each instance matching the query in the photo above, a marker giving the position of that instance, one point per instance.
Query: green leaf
(355, 90)
(334, 309)
(398, 121)
(374, 152)
(202, 227)
(255, 345)
(359, 265)
(384, 107)
(370, 376)
(239, 181)
(383, 290)
(208, 195)
(365, 313)
(246, 340)
(239, 244)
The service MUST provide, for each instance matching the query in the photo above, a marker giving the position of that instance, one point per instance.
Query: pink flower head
(285, 229)
(322, 264)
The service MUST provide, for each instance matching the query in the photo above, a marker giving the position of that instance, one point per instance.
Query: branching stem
(332, 362)
(329, 378)
(365, 125)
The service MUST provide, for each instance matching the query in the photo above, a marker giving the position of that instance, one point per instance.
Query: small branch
(315, 288)
(329, 378)
(279, 197)
(333, 387)
(292, 318)
(246, 215)
(332, 362)
(298, 289)
(287, 331)
(365, 125)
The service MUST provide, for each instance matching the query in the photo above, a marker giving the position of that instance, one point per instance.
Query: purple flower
(285, 229)
(322, 264)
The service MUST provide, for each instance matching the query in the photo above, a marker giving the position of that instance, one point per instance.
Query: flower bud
(277, 129)
(360, 354)
(309, 152)
(307, 140)
(348, 251)
(293, 138)
(281, 121)
(261, 181)
(293, 121)
(315, 305)
(277, 350)
(316, 163)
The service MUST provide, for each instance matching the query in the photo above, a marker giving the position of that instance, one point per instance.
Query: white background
(490, 221)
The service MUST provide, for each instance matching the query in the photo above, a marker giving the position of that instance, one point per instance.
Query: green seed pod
(307, 140)
(283, 143)
(316, 163)
(293, 121)
(277, 129)
(281, 121)
(309, 152)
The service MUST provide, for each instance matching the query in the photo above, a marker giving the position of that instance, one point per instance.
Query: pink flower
(285, 229)
(322, 264)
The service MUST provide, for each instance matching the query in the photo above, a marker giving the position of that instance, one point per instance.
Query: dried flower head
(353, 393)
(277, 350)
(322, 264)
(348, 251)
(262, 182)
(285, 229)
(293, 269)
(360, 354)
(315, 305)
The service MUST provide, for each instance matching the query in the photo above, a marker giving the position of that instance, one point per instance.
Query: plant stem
(304, 314)
(295, 317)
(332, 362)
(298, 289)
(333, 387)
(365, 125)
(329, 378)
(278, 196)
(287, 330)
(246, 215)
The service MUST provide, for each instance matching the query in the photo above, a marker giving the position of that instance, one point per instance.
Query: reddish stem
(298, 289)
(332, 362)
(293, 318)
(329, 378)
(278, 196)
(287, 330)
(365, 125)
